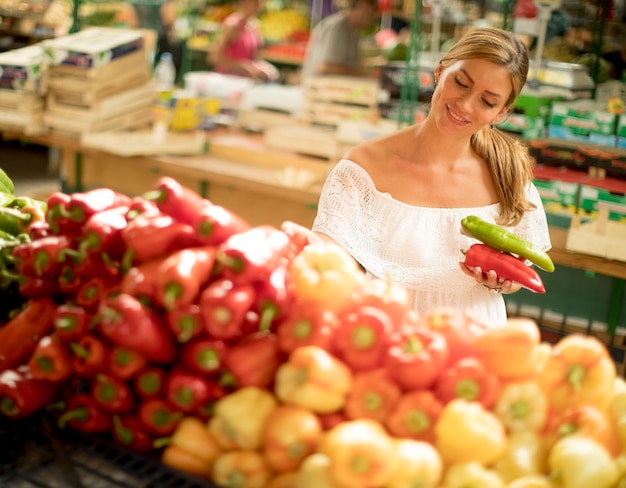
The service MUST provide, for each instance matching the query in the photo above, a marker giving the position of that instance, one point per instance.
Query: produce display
(248, 356)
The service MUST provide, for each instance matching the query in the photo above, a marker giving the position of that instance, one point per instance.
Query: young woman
(396, 203)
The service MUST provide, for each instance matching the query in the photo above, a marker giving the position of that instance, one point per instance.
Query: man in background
(333, 48)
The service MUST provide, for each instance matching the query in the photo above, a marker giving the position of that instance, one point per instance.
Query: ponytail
(510, 166)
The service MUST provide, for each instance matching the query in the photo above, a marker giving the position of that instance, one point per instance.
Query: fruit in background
(280, 25)
(615, 105)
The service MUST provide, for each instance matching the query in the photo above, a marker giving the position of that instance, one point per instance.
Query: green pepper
(22, 202)
(501, 239)
(6, 199)
(6, 185)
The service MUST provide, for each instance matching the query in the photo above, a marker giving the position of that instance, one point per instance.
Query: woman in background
(236, 49)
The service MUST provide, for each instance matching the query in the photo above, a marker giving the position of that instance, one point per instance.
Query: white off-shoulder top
(416, 247)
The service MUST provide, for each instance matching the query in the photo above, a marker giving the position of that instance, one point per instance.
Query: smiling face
(470, 94)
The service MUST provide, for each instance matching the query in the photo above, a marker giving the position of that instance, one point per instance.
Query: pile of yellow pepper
(557, 418)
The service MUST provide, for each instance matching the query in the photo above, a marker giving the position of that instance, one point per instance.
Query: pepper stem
(467, 389)
(79, 413)
(8, 406)
(416, 421)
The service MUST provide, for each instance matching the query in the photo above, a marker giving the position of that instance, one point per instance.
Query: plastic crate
(37, 454)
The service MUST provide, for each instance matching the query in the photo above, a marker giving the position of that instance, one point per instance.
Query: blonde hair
(508, 159)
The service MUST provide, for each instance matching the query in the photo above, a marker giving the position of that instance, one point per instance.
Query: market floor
(30, 168)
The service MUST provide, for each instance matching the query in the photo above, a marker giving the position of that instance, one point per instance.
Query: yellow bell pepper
(417, 464)
(522, 406)
(579, 462)
(191, 448)
(360, 453)
(579, 371)
(241, 469)
(239, 418)
(313, 378)
(532, 481)
(467, 432)
(526, 454)
(315, 473)
(471, 475)
(286, 479)
(617, 409)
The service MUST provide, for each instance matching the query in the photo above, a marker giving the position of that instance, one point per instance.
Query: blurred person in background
(236, 50)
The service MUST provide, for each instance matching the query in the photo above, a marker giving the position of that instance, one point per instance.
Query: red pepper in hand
(251, 255)
(19, 337)
(150, 383)
(224, 304)
(126, 322)
(416, 358)
(22, 395)
(176, 200)
(91, 356)
(71, 322)
(51, 360)
(102, 233)
(204, 356)
(126, 363)
(42, 257)
(414, 416)
(112, 394)
(182, 274)
(83, 205)
(274, 298)
(362, 339)
(149, 236)
(372, 396)
(158, 417)
(253, 360)
(470, 380)
(506, 266)
(82, 413)
(128, 432)
(186, 322)
(308, 324)
(216, 224)
(187, 391)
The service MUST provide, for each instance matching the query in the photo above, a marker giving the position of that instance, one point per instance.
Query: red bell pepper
(204, 356)
(42, 257)
(394, 299)
(19, 337)
(468, 379)
(22, 395)
(83, 205)
(128, 432)
(140, 280)
(57, 215)
(158, 417)
(35, 288)
(68, 281)
(91, 356)
(51, 360)
(362, 339)
(416, 358)
(224, 304)
(274, 298)
(414, 416)
(506, 266)
(91, 292)
(126, 363)
(251, 255)
(149, 236)
(187, 391)
(176, 200)
(182, 274)
(39, 230)
(82, 413)
(112, 394)
(71, 322)
(216, 224)
(141, 206)
(253, 360)
(299, 237)
(216, 391)
(126, 322)
(102, 233)
(308, 324)
(185, 323)
(372, 396)
(150, 383)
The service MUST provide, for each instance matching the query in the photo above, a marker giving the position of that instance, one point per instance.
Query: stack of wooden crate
(98, 80)
(22, 101)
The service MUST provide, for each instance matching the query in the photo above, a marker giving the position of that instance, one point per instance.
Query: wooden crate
(303, 139)
(63, 125)
(600, 236)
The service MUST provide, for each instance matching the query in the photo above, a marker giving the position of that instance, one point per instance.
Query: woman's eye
(458, 82)
(489, 104)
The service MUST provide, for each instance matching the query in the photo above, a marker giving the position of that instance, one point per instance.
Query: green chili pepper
(6, 199)
(6, 185)
(503, 240)
(21, 202)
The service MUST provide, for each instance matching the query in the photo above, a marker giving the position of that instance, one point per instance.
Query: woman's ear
(437, 73)
(503, 113)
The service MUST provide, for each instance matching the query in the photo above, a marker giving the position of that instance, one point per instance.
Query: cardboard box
(583, 117)
(566, 154)
(528, 127)
(93, 47)
(393, 77)
(567, 133)
(21, 69)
